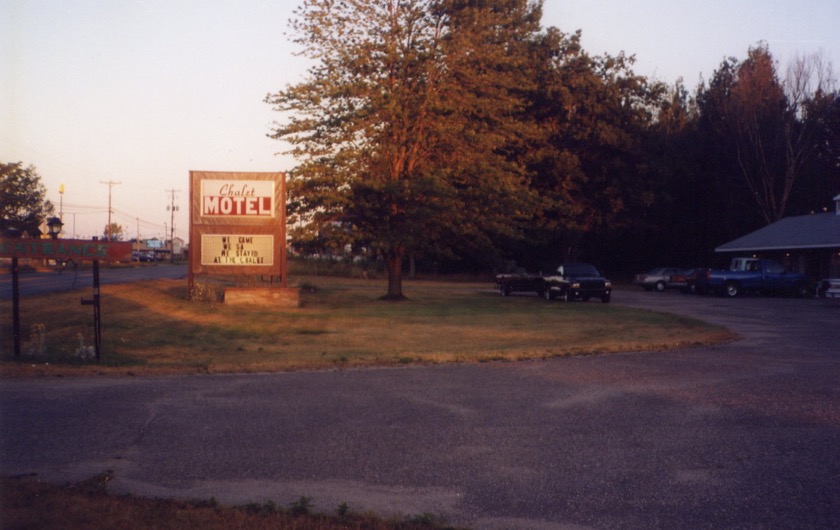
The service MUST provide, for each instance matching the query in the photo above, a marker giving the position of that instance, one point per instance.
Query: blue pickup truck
(754, 275)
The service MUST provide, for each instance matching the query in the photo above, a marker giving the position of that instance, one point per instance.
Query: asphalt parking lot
(740, 435)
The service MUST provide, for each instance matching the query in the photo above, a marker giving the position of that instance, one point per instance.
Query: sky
(125, 97)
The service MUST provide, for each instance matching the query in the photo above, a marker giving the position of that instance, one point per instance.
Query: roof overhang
(723, 248)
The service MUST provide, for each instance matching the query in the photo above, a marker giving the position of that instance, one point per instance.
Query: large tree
(23, 203)
(590, 167)
(813, 77)
(408, 123)
(761, 121)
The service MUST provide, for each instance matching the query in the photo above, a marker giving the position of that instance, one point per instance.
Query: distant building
(804, 243)
(177, 246)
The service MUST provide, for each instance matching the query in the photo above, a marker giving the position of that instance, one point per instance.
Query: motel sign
(237, 224)
(222, 198)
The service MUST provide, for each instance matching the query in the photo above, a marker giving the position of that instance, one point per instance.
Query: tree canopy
(23, 206)
(762, 121)
(462, 130)
(406, 123)
(113, 232)
(590, 167)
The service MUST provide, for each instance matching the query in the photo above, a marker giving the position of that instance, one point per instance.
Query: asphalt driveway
(742, 435)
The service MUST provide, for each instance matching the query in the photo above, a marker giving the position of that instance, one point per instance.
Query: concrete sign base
(261, 296)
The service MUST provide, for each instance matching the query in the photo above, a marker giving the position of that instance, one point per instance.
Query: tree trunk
(395, 262)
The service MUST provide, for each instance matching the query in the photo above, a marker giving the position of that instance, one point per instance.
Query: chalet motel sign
(237, 223)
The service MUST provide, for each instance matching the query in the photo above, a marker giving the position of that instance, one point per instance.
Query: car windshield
(580, 269)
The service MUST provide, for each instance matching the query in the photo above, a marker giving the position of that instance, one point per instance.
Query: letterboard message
(237, 250)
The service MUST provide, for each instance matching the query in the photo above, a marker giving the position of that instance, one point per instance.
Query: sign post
(15, 307)
(97, 314)
(62, 249)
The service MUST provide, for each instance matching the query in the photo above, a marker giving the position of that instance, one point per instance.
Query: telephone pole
(110, 184)
(61, 202)
(172, 209)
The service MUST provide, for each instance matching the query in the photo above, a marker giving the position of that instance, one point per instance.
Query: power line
(128, 215)
(82, 206)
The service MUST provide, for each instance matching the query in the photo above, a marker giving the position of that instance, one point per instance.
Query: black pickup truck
(572, 281)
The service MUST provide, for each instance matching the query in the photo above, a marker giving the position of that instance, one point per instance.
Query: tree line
(463, 135)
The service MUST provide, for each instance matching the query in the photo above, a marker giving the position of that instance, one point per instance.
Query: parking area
(777, 322)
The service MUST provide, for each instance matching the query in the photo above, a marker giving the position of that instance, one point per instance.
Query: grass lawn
(151, 328)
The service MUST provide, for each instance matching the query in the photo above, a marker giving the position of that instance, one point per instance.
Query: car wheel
(731, 289)
(547, 294)
(605, 299)
(660, 286)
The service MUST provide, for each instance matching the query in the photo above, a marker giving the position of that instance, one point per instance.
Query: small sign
(65, 249)
(237, 250)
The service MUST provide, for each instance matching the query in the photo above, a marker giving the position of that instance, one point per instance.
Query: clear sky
(141, 92)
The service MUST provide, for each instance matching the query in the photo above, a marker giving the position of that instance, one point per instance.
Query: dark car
(655, 279)
(577, 281)
(699, 282)
(686, 280)
(142, 256)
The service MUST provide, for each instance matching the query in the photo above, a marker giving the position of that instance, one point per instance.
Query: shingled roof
(821, 230)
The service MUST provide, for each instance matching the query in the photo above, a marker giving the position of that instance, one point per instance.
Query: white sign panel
(237, 198)
(237, 249)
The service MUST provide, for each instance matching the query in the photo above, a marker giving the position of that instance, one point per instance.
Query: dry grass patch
(28, 503)
(151, 327)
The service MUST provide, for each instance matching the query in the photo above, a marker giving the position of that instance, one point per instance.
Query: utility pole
(110, 184)
(61, 202)
(172, 209)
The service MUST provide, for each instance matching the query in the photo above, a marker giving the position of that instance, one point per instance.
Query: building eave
(778, 248)
(804, 232)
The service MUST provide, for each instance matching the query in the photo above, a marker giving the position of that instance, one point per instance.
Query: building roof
(821, 230)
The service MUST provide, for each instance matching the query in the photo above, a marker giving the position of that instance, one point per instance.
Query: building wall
(816, 264)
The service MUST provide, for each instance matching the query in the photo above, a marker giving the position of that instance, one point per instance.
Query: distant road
(36, 283)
